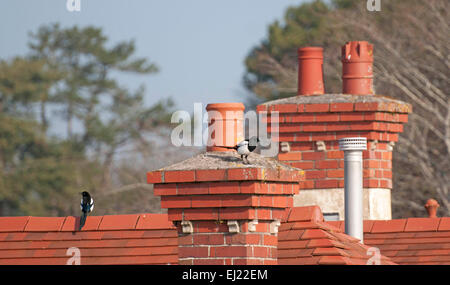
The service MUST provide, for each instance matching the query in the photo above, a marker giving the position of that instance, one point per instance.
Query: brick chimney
(226, 213)
(311, 124)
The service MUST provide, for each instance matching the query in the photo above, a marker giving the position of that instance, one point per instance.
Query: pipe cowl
(358, 143)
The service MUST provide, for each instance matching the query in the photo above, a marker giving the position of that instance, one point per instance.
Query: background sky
(199, 45)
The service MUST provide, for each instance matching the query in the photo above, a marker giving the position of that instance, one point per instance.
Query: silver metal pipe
(353, 185)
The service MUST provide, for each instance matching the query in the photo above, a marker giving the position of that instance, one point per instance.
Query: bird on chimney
(87, 205)
(245, 147)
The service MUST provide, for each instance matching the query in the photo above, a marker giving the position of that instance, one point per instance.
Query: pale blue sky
(199, 45)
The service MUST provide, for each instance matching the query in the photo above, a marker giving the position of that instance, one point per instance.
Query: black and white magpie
(245, 147)
(87, 205)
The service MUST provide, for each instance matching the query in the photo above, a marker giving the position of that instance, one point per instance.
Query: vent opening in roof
(331, 216)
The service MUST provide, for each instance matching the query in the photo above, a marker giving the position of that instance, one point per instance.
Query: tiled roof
(115, 239)
(305, 239)
(410, 241)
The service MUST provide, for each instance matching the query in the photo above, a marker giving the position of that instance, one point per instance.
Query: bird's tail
(228, 147)
(82, 219)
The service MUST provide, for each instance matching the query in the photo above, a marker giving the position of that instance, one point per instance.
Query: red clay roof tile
(13, 224)
(444, 225)
(321, 243)
(292, 244)
(305, 225)
(389, 226)
(299, 260)
(293, 234)
(44, 224)
(315, 233)
(122, 234)
(153, 221)
(422, 224)
(338, 224)
(285, 226)
(310, 213)
(368, 225)
(72, 223)
(330, 251)
(118, 222)
(333, 260)
(19, 236)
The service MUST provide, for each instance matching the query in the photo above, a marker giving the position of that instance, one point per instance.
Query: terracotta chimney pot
(357, 70)
(432, 206)
(225, 125)
(310, 71)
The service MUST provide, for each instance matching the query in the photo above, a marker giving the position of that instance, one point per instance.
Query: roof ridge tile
(444, 224)
(333, 260)
(118, 222)
(44, 224)
(13, 224)
(71, 224)
(388, 226)
(329, 227)
(304, 214)
(422, 224)
(137, 220)
(330, 251)
(151, 221)
(316, 234)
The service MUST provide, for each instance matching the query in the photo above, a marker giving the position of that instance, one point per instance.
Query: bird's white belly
(243, 150)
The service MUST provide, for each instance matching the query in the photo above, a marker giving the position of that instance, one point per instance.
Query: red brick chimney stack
(311, 124)
(226, 213)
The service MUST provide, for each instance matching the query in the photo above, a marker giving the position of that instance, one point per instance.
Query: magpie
(245, 147)
(87, 205)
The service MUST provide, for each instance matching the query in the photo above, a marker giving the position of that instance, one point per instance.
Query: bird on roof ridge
(86, 205)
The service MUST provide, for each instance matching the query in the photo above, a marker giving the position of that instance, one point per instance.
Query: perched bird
(87, 205)
(245, 147)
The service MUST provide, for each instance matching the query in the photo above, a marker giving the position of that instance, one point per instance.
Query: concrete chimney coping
(227, 160)
(336, 98)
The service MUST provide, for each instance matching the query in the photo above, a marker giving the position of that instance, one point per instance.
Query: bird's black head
(85, 194)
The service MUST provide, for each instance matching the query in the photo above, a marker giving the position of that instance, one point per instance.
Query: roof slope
(115, 239)
(305, 239)
(410, 241)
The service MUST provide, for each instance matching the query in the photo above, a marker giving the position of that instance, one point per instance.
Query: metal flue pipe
(353, 187)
